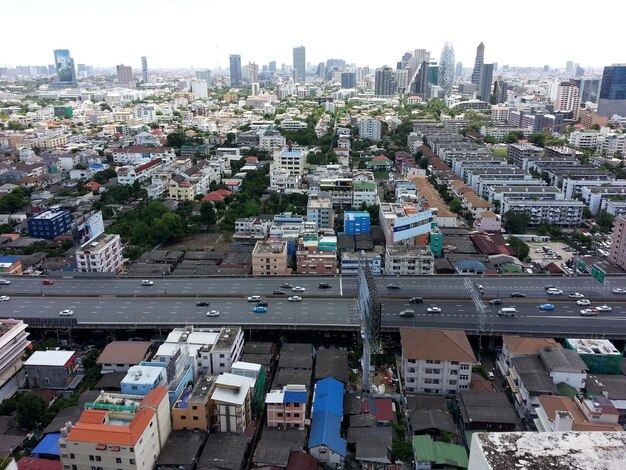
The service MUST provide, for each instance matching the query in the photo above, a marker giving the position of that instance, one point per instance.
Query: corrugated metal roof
(325, 430)
(295, 397)
(328, 396)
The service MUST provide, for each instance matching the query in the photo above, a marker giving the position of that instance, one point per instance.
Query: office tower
(144, 69)
(567, 100)
(235, 70)
(66, 74)
(459, 69)
(402, 79)
(321, 70)
(348, 80)
(299, 63)
(446, 69)
(253, 72)
(199, 89)
(612, 98)
(420, 84)
(588, 88)
(204, 75)
(385, 82)
(433, 73)
(500, 88)
(272, 67)
(569, 67)
(580, 71)
(124, 73)
(485, 82)
(478, 63)
(546, 68)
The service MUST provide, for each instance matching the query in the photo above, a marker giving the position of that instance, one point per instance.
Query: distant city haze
(201, 34)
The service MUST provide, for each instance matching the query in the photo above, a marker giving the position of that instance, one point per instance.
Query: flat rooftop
(598, 347)
(49, 358)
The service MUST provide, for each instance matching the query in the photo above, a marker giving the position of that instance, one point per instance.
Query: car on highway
(416, 300)
(518, 294)
(495, 301)
(261, 304)
(603, 308)
(4, 298)
(4, 282)
(407, 312)
(393, 287)
(295, 298)
(554, 291)
(47, 282)
(213, 313)
(550, 286)
(286, 285)
(279, 292)
(202, 303)
(589, 312)
(298, 289)
(259, 309)
(619, 290)
(254, 298)
(147, 282)
(66, 313)
(324, 285)
(547, 307)
(433, 310)
(576, 295)
(583, 302)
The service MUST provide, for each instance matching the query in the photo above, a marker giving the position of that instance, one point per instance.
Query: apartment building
(270, 258)
(340, 190)
(57, 370)
(564, 213)
(136, 154)
(519, 152)
(252, 228)
(141, 379)
(287, 408)
(319, 209)
(102, 254)
(350, 261)
(293, 125)
(119, 356)
(109, 436)
(232, 396)
(50, 224)
(291, 160)
(128, 175)
(409, 260)
(405, 222)
(572, 186)
(271, 141)
(364, 192)
(617, 254)
(13, 343)
(436, 361)
(495, 194)
(563, 414)
(370, 129)
(194, 409)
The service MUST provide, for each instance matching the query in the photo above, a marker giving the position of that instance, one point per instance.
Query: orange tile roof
(443, 345)
(154, 397)
(553, 404)
(524, 345)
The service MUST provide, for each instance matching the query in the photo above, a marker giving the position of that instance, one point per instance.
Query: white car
(589, 312)
(619, 290)
(66, 313)
(603, 308)
(254, 298)
(298, 289)
(4, 298)
(583, 302)
(147, 282)
(295, 298)
(213, 313)
(576, 295)
(4, 282)
(433, 310)
(554, 291)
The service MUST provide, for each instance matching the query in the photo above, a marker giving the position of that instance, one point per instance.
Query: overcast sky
(202, 33)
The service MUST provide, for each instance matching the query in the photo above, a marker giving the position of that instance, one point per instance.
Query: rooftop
(521, 345)
(124, 352)
(593, 346)
(181, 449)
(443, 345)
(562, 360)
(231, 388)
(486, 408)
(49, 358)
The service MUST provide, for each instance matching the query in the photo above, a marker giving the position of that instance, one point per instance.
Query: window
(280, 415)
(98, 458)
(453, 372)
(296, 415)
(452, 382)
(183, 417)
(428, 371)
(118, 460)
(74, 467)
(195, 418)
(464, 366)
(463, 377)
(47, 380)
(91, 458)
(454, 363)
(132, 461)
(72, 456)
(193, 407)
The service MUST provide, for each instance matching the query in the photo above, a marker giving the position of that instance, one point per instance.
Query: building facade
(50, 224)
(270, 258)
(103, 254)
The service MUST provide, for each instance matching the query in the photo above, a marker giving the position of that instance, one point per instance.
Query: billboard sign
(89, 228)
(412, 225)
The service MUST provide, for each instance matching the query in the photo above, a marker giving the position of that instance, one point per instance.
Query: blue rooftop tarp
(328, 396)
(294, 397)
(48, 445)
(325, 430)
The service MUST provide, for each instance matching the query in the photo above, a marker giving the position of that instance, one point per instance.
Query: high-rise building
(144, 69)
(204, 75)
(402, 78)
(617, 254)
(588, 88)
(124, 73)
(253, 72)
(478, 64)
(299, 64)
(66, 73)
(321, 70)
(272, 66)
(485, 83)
(500, 88)
(446, 69)
(348, 80)
(612, 98)
(567, 100)
(459, 69)
(199, 89)
(385, 82)
(569, 66)
(235, 70)
(420, 84)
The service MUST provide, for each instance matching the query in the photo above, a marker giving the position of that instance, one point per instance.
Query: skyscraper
(385, 82)
(420, 85)
(204, 75)
(321, 70)
(144, 69)
(569, 66)
(478, 63)
(272, 67)
(446, 69)
(613, 91)
(588, 89)
(124, 73)
(253, 72)
(348, 80)
(459, 69)
(235, 70)
(567, 100)
(500, 88)
(64, 64)
(299, 64)
(485, 82)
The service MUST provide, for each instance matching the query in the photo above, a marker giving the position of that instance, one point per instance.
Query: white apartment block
(293, 161)
(147, 113)
(584, 139)
(103, 254)
(13, 344)
(128, 175)
(370, 129)
(364, 192)
(319, 209)
(232, 396)
(564, 213)
(272, 142)
(409, 260)
(138, 154)
(436, 361)
(500, 114)
(282, 179)
(292, 125)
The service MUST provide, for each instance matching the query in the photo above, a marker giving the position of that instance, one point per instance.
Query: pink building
(286, 408)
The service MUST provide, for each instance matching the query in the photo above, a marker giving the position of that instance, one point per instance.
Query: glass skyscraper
(299, 64)
(64, 65)
(446, 69)
(612, 98)
(235, 70)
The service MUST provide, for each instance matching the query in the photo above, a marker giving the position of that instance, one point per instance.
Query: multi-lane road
(118, 301)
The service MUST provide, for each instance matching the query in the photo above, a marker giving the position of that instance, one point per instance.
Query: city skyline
(270, 44)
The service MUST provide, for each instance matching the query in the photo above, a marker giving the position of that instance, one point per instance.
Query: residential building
(356, 223)
(564, 414)
(436, 361)
(194, 409)
(617, 253)
(528, 379)
(50, 224)
(325, 441)
(140, 379)
(370, 129)
(364, 192)
(299, 64)
(519, 152)
(57, 370)
(102, 254)
(409, 260)
(600, 355)
(124, 74)
(565, 367)
(252, 228)
(287, 408)
(567, 100)
(385, 83)
(485, 411)
(232, 395)
(13, 343)
(11, 265)
(254, 371)
(612, 99)
(485, 83)
(270, 258)
(121, 437)
(293, 125)
(272, 141)
(405, 222)
(429, 454)
(144, 69)
(293, 161)
(350, 261)
(563, 213)
(317, 255)
(120, 356)
(518, 346)
(319, 210)
(127, 175)
(137, 154)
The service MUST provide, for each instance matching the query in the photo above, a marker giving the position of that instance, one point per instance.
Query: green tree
(31, 411)
(207, 212)
(455, 205)
(490, 139)
(423, 163)
(513, 137)
(519, 247)
(516, 222)
(537, 138)
(604, 219)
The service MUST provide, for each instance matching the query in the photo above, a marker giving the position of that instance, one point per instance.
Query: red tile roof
(223, 192)
(150, 164)
(212, 197)
(381, 408)
(31, 463)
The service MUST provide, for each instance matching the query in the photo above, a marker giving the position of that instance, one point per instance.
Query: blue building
(356, 222)
(50, 224)
(141, 379)
(325, 441)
